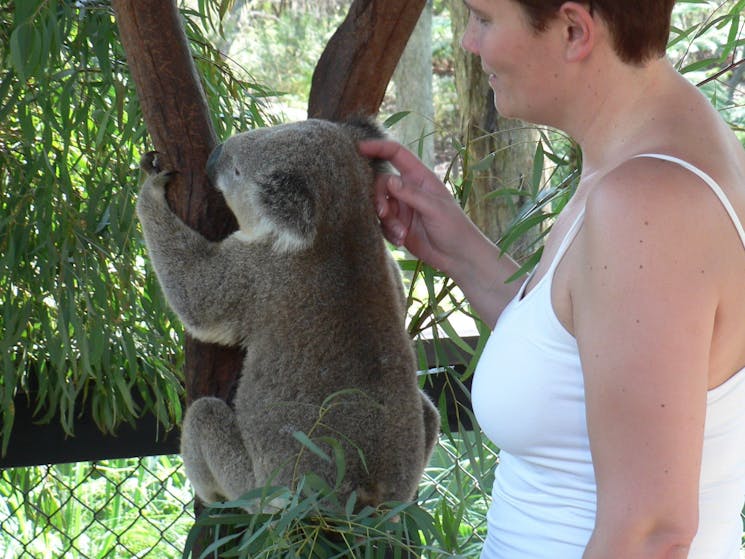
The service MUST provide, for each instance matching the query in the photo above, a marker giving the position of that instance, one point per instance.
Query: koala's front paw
(149, 163)
(156, 177)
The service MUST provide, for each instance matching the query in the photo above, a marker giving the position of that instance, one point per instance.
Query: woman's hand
(418, 211)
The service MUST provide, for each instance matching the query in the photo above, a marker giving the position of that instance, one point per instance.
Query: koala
(308, 288)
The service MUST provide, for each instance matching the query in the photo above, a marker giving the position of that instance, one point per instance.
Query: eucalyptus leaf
(303, 439)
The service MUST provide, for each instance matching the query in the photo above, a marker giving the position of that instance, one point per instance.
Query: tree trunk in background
(512, 142)
(354, 70)
(413, 84)
(178, 120)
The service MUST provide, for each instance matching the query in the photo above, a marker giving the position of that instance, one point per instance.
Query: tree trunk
(485, 132)
(413, 84)
(178, 120)
(354, 70)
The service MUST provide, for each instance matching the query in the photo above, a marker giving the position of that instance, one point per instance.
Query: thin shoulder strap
(566, 241)
(712, 184)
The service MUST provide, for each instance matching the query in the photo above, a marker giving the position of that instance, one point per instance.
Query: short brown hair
(639, 28)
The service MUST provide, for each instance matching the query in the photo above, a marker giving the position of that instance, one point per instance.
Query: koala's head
(287, 182)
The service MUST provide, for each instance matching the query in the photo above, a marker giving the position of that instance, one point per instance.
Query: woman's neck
(615, 117)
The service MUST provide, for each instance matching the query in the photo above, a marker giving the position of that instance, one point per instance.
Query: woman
(613, 381)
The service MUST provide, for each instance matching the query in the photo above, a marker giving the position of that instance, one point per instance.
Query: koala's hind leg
(215, 458)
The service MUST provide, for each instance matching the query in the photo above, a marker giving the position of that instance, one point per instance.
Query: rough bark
(178, 121)
(358, 62)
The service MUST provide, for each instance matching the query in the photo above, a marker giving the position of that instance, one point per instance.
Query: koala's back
(333, 360)
(340, 314)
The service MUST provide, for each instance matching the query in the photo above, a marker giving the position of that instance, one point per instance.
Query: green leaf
(700, 65)
(225, 7)
(304, 440)
(536, 179)
(20, 46)
(394, 118)
(351, 503)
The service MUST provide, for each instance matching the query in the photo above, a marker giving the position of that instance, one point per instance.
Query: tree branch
(358, 62)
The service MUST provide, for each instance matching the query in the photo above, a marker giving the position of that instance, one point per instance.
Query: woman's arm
(644, 305)
(418, 211)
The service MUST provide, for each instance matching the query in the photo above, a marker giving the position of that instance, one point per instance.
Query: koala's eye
(237, 172)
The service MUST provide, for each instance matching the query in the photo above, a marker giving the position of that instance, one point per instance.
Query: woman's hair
(639, 28)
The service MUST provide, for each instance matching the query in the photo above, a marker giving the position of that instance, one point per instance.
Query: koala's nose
(212, 161)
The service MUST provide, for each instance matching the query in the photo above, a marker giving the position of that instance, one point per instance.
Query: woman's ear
(580, 30)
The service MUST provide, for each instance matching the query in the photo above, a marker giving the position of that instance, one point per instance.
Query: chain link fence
(133, 508)
(142, 507)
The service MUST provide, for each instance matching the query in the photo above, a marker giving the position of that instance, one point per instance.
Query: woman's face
(524, 66)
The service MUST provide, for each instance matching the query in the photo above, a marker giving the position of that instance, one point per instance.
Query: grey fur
(309, 289)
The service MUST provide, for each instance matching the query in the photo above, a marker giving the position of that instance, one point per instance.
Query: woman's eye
(481, 20)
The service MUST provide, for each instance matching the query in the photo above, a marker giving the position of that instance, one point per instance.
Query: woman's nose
(468, 40)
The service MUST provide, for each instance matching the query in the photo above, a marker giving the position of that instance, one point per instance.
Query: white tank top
(528, 397)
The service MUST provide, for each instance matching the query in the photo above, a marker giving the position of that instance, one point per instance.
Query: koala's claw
(157, 177)
(149, 163)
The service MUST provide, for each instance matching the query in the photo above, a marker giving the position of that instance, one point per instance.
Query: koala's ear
(289, 202)
(362, 128)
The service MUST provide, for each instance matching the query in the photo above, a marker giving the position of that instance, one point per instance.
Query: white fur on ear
(288, 200)
(284, 241)
(214, 334)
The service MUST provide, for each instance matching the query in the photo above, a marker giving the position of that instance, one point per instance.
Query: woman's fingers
(400, 157)
(408, 165)
(411, 201)
(395, 217)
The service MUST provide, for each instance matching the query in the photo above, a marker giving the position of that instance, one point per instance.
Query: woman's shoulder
(658, 205)
(648, 185)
